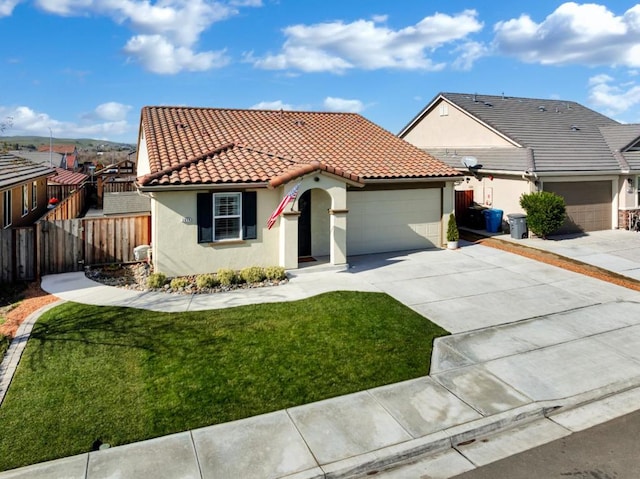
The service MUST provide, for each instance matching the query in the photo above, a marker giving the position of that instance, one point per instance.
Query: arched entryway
(314, 235)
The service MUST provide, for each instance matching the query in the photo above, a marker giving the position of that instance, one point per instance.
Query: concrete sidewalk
(537, 351)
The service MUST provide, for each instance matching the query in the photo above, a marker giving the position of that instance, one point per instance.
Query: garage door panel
(393, 220)
(588, 205)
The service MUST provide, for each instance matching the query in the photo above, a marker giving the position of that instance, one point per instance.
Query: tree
(546, 212)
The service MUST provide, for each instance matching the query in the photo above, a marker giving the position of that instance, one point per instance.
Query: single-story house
(23, 190)
(215, 176)
(508, 146)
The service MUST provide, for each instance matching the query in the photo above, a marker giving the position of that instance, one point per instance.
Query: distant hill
(86, 144)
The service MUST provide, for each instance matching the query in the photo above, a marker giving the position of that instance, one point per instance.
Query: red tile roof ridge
(307, 168)
(146, 179)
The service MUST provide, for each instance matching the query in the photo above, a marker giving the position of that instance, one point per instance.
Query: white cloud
(588, 34)
(272, 105)
(165, 32)
(341, 104)
(7, 6)
(365, 44)
(110, 111)
(158, 55)
(27, 121)
(614, 98)
(468, 54)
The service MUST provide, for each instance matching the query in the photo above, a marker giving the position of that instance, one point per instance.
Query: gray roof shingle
(16, 171)
(560, 136)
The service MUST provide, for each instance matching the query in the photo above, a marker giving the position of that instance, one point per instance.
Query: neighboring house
(214, 177)
(69, 153)
(23, 190)
(114, 178)
(522, 145)
(64, 183)
(51, 159)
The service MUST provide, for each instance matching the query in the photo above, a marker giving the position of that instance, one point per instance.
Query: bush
(452, 229)
(545, 212)
(275, 273)
(226, 276)
(253, 274)
(156, 280)
(206, 281)
(179, 283)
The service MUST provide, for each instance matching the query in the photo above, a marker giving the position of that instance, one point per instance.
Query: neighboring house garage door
(588, 205)
(392, 220)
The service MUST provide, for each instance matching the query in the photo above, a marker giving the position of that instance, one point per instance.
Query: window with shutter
(226, 216)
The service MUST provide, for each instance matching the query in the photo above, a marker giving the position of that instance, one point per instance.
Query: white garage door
(393, 220)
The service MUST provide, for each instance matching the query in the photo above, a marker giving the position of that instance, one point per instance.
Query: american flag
(288, 198)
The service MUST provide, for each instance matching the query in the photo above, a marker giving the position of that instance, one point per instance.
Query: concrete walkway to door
(537, 351)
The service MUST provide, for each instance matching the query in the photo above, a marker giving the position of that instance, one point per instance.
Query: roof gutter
(201, 186)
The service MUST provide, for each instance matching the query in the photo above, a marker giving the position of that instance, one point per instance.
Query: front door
(304, 224)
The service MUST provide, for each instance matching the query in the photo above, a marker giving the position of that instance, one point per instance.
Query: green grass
(122, 375)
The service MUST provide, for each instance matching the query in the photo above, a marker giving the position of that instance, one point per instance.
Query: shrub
(253, 274)
(206, 281)
(275, 273)
(179, 283)
(452, 229)
(545, 212)
(226, 276)
(156, 280)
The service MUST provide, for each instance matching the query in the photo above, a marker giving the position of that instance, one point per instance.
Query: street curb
(16, 348)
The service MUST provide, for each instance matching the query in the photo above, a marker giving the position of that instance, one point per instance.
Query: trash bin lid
(516, 215)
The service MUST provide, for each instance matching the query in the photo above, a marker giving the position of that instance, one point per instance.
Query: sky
(85, 68)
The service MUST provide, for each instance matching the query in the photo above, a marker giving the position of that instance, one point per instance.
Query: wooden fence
(70, 207)
(17, 254)
(67, 245)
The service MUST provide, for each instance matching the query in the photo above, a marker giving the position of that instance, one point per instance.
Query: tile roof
(66, 148)
(66, 177)
(16, 171)
(210, 145)
(562, 135)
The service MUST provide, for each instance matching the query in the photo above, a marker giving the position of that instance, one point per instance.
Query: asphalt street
(608, 451)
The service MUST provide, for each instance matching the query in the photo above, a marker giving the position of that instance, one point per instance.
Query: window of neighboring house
(25, 200)
(226, 216)
(6, 209)
(34, 195)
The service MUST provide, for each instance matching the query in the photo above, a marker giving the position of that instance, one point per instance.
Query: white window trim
(216, 217)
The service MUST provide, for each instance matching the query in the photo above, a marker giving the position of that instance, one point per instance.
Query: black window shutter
(249, 215)
(205, 217)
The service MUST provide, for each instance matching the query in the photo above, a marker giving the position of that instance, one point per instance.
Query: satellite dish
(469, 161)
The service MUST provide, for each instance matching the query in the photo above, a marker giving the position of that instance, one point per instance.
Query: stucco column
(289, 239)
(338, 225)
(448, 207)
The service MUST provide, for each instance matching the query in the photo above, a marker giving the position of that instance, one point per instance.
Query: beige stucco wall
(628, 194)
(501, 192)
(176, 250)
(142, 164)
(436, 131)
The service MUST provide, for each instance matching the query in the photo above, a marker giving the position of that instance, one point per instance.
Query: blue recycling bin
(493, 220)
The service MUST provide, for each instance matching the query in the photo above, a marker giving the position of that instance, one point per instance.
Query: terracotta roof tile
(208, 145)
(67, 148)
(65, 177)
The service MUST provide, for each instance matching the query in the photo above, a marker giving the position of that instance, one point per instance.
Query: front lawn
(120, 375)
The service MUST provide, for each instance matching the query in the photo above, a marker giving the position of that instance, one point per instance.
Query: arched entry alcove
(314, 225)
